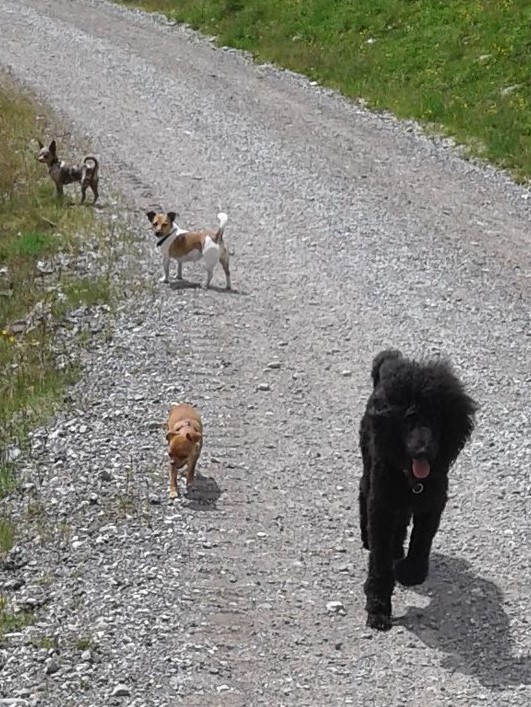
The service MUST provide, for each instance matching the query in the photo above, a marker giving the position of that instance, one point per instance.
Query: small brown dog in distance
(185, 440)
(86, 173)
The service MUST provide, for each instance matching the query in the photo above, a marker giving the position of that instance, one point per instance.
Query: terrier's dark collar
(165, 238)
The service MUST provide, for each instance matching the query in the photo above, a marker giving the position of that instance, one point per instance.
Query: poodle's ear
(458, 411)
(380, 360)
(379, 407)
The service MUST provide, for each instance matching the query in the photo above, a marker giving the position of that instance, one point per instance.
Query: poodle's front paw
(365, 539)
(380, 622)
(410, 572)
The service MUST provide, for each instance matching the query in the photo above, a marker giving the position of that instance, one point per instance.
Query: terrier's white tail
(222, 218)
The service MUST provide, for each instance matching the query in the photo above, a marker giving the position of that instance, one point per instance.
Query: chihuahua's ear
(151, 215)
(172, 216)
(39, 143)
(53, 146)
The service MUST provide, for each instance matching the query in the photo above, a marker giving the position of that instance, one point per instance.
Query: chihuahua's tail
(92, 168)
(222, 218)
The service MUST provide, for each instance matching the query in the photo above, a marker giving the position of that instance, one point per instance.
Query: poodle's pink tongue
(420, 468)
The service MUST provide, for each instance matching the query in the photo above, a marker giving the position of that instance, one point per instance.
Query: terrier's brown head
(48, 155)
(161, 223)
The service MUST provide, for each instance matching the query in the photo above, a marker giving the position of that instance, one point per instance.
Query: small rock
(273, 365)
(154, 499)
(93, 498)
(335, 607)
(346, 373)
(510, 89)
(105, 475)
(121, 690)
(13, 584)
(14, 559)
(263, 386)
(18, 327)
(52, 666)
(12, 454)
(44, 268)
(86, 656)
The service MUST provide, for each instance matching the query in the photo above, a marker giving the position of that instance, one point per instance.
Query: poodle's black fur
(418, 419)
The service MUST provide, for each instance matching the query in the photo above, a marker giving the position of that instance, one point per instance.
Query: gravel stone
(410, 246)
(121, 691)
(52, 666)
(335, 607)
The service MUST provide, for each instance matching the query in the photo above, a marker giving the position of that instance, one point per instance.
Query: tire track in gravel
(349, 234)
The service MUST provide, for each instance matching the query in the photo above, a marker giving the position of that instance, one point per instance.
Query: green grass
(12, 622)
(462, 66)
(6, 535)
(34, 227)
(83, 643)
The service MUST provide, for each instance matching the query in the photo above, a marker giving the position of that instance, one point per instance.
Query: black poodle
(418, 418)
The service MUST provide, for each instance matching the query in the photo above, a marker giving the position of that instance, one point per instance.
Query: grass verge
(10, 621)
(43, 245)
(460, 66)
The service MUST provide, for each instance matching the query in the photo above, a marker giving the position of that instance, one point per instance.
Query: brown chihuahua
(185, 440)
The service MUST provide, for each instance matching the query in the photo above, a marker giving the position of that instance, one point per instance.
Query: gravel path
(350, 232)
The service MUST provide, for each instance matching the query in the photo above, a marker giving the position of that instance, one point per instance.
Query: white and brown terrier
(185, 441)
(190, 246)
(85, 173)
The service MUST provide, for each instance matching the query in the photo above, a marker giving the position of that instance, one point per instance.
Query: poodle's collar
(415, 485)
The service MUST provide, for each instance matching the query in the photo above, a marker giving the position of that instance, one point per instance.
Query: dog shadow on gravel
(204, 493)
(184, 285)
(466, 620)
(189, 285)
(224, 291)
